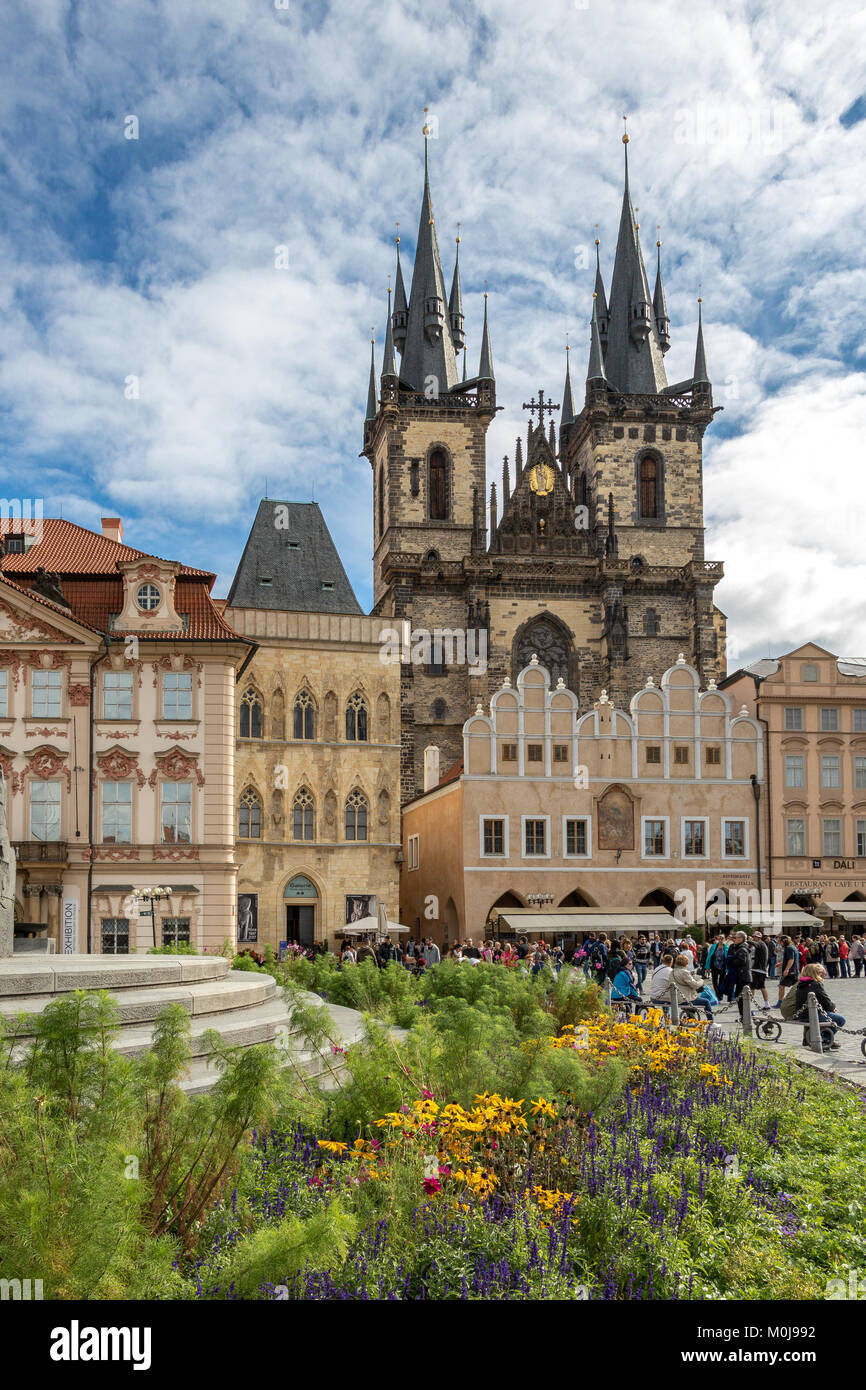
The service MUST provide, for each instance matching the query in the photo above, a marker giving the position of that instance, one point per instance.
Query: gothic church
(592, 553)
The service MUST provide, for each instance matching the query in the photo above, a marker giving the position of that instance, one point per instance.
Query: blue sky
(154, 258)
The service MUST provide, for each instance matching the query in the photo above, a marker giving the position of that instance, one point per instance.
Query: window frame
(250, 801)
(736, 820)
(545, 821)
(795, 853)
(832, 853)
(831, 758)
(796, 786)
(53, 678)
(587, 821)
(106, 785)
(665, 822)
(830, 727)
(506, 847)
(164, 784)
(695, 820)
(176, 690)
(113, 689)
(37, 784)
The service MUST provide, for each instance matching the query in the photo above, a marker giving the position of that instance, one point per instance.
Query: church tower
(634, 456)
(424, 435)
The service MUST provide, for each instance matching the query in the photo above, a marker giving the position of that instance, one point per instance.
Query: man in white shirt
(660, 984)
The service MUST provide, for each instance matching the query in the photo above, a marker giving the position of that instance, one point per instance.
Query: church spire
(429, 350)
(455, 302)
(485, 368)
(506, 480)
(567, 416)
(660, 308)
(601, 297)
(633, 360)
(372, 395)
(389, 364)
(595, 374)
(701, 375)
(401, 309)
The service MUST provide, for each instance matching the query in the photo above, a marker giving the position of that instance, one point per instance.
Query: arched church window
(356, 816)
(251, 714)
(547, 641)
(303, 810)
(381, 501)
(649, 487)
(652, 623)
(438, 488)
(250, 816)
(304, 724)
(356, 718)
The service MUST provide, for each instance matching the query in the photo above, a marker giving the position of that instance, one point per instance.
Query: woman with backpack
(831, 956)
(790, 967)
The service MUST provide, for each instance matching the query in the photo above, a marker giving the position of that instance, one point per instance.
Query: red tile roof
(455, 771)
(87, 565)
(69, 549)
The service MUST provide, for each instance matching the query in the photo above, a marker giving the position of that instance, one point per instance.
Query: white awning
(525, 922)
(368, 926)
(851, 912)
(763, 918)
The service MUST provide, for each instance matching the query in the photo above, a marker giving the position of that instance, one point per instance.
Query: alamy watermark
(718, 907)
(439, 646)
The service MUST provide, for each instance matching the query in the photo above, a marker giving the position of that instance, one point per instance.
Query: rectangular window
(694, 838)
(575, 837)
(45, 810)
(534, 837)
(494, 836)
(793, 717)
(115, 936)
(829, 720)
(412, 851)
(436, 667)
(859, 721)
(833, 836)
(681, 753)
(713, 756)
(796, 835)
(860, 773)
(4, 694)
(795, 770)
(177, 695)
(534, 752)
(176, 812)
(560, 752)
(117, 813)
(117, 695)
(735, 839)
(175, 930)
(861, 839)
(653, 753)
(654, 838)
(830, 771)
(47, 700)
(509, 752)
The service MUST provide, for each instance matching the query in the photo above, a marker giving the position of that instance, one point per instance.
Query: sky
(197, 212)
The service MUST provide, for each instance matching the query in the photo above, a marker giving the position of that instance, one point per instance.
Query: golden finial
(636, 224)
(658, 229)
(625, 132)
(373, 334)
(594, 295)
(458, 232)
(397, 232)
(426, 129)
(485, 289)
(597, 242)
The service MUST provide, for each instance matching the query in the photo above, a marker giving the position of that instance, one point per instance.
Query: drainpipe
(756, 791)
(90, 796)
(766, 727)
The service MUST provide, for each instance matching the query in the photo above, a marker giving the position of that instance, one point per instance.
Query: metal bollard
(747, 1011)
(675, 1004)
(816, 1042)
(608, 992)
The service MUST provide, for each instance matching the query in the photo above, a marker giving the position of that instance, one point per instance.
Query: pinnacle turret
(701, 375)
(485, 367)
(400, 316)
(568, 409)
(660, 308)
(595, 374)
(455, 304)
(389, 362)
(372, 394)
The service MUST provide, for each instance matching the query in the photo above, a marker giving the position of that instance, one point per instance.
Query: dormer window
(147, 597)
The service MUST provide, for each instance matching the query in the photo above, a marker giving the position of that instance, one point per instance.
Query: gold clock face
(541, 479)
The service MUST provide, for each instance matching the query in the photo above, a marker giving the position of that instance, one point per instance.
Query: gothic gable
(539, 515)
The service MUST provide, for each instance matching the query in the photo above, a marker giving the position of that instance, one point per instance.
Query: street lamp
(149, 895)
(540, 899)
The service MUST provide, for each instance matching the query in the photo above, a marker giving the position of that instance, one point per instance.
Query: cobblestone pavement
(849, 996)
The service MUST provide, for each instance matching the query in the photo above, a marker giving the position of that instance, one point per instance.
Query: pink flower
(428, 1095)
(432, 1186)
(445, 1171)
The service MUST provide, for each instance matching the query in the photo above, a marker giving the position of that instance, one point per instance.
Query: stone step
(30, 975)
(243, 1027)
(327, 1072)
(238, 990)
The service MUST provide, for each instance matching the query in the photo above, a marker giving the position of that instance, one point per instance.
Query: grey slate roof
(297, 559)
(595, 371)
(631, 367)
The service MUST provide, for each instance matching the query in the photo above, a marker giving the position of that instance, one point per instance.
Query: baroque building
(590, 553)
(317, 738)
(117, 680)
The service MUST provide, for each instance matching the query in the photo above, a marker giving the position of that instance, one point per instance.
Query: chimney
(112, 528)
(431, 767)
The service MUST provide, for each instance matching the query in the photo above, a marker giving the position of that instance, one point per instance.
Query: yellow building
(117, 679)
(317, 738)
(651, 807)
(813, 705)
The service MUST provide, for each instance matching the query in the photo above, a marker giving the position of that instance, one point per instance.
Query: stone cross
(7, 879)
(540, 405)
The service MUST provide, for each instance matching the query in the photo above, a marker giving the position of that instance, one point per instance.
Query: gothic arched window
(251, 714)
(356, 816)
(381, 501)
(356, 718)
(549, 642)
(437, 469)
(303, 811)
(250, 816)
(305, 716)
(649, 487)
(652, 623)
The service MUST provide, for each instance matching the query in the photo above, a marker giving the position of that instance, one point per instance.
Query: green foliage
(388, 994)
(272, 1254)
(175, 948)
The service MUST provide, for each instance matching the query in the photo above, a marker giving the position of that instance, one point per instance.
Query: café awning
(849, 912)
(368, 926)
(527, 922)
(787, 920)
